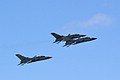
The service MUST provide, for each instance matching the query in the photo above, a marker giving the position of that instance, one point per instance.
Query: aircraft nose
(83, 35)
(49, 57)
(94, 38)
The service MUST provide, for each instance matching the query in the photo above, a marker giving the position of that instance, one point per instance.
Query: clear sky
(25, 27)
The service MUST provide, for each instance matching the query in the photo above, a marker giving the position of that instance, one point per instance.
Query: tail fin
(21, 57)
(57, 36)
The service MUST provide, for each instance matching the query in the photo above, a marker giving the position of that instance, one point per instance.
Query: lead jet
(27, 60)
(69, 37)
(79, 40)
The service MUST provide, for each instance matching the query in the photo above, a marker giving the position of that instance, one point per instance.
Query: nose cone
(83, 35)
(49, 57)
(94, 38)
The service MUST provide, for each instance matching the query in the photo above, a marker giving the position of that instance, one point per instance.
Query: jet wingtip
(52, 33)
(17, 54)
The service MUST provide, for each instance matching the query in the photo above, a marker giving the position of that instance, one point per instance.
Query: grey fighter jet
(27, 60)
(79, 40)
(69, 37)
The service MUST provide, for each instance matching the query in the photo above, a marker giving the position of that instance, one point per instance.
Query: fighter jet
(27, 60)
(69, 37)
(79, 40)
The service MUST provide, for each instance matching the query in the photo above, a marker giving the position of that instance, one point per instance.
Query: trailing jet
(27, 60)
(79, 40)
(69, 37)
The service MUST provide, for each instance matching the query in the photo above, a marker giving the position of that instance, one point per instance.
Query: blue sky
(25, 27)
